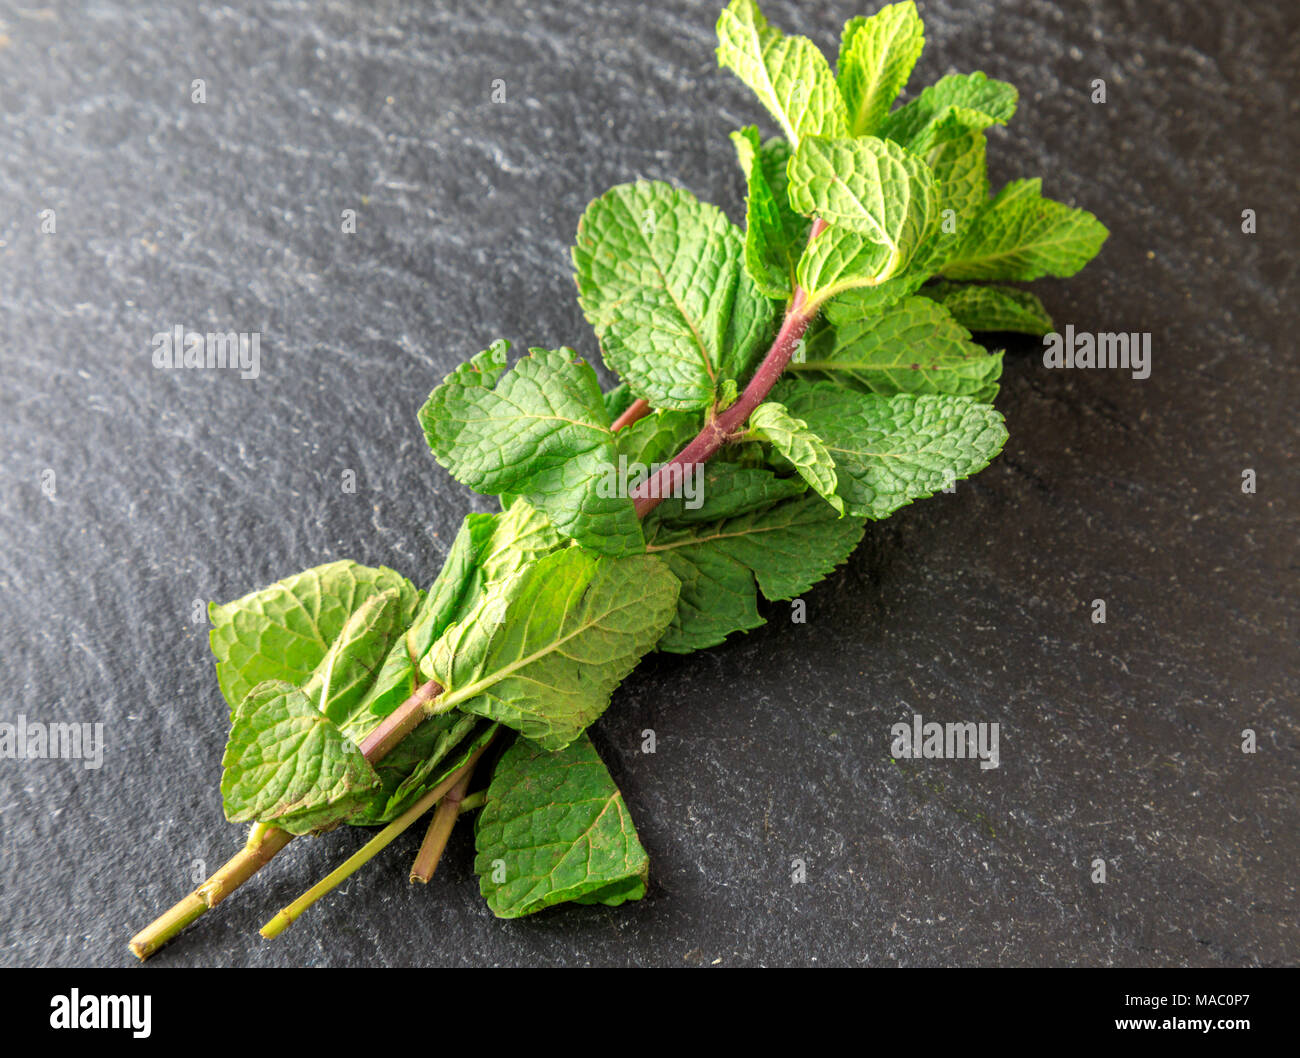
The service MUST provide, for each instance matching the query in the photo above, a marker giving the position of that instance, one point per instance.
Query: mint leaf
(539, 430)
(789, 75)
(344, 676)
(775, 233)
(971, 91)
(749, 331)
(455, 590)
(915, 346)
(282, 632)
(871, 191)
(771, 422)
(890, 451)
(728, 392)
(838, 268)
(543, 650)
(487, 549)
(618, 400)
(420, 752)
(286, 763)
(954, 148)
(866, 185)
(729, 489)
(992, 308)
(658, 437)
(452, 593)
(876, 58)
(660, 279)
(521, 535)
(1021, 235)
(422, 760)
(556, 827)
(785, 548)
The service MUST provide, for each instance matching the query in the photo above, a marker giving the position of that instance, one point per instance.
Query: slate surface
(1119, 741)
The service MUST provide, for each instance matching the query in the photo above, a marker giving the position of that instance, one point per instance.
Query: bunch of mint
(809, 373)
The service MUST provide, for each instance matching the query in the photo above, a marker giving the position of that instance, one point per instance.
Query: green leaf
(395, 683)
(727, 394)
(838, 267)
(658, 437)
(282, 632)
(540, 431)
(521, 535)
(786, 548)
(992, 308)
(489, 548)
(452, 593)
(660, 279)
(789, 75)
(455, 589)
(913, 347)
(890, 451)
(872, 188)
(771, 422)
(555, 828)
(876, 186)
(1021, 235)
(288, 764)
(420, 752)
(426, 757)
(775, 234)
(543, 650)
(876, 58)
(954, 148)
(346, 673)
(729, 489)
(749, 332)
(618, 400)
(971, 91)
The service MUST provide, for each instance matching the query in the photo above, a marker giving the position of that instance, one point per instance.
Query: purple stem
(721, 428)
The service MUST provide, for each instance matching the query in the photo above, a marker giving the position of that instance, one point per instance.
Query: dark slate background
(1119, 741)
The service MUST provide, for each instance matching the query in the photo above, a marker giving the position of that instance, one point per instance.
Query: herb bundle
(809, 373)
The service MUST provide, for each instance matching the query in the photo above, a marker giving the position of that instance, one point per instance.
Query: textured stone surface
(1119, 740)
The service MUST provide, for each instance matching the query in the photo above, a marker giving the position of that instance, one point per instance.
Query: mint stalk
(811, 373)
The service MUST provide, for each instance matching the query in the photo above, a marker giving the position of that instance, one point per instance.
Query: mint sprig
(810, 373)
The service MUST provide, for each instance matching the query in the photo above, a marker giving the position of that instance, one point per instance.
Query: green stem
(439, 832)
(263, 843)
(285, 918)
(473, 801)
